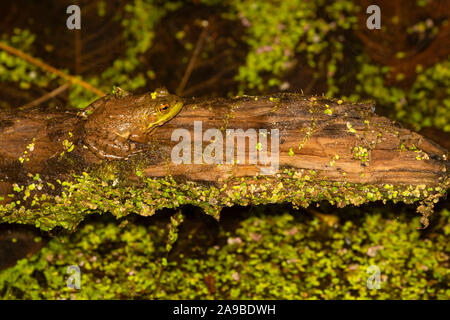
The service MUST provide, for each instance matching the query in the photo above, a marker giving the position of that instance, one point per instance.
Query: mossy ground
(272, 253)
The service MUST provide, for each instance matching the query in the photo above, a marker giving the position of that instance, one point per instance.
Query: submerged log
(295, 149)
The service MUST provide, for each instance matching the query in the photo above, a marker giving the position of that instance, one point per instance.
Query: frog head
(164, 106)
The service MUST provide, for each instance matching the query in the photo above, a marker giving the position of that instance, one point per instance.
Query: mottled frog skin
(115, 121)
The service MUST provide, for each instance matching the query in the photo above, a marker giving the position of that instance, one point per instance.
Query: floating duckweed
(350, 128)
(264, 248)
(361, 153)
(291, 152)
(101, 191)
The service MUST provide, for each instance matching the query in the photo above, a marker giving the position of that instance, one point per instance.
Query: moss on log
(328, 149)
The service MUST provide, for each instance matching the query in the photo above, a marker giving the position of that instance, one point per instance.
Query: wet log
(293, 149)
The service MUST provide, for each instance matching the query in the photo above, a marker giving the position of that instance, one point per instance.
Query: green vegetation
(276, 256)
(16, 70)
(106, 190)
(283, 45)
(279, 30)
(425, 104)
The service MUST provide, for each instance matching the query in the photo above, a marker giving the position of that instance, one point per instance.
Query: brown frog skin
(115, 121)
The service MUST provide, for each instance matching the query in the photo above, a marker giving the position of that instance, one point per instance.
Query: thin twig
(46, 96)
(50, 69)
(192, 61)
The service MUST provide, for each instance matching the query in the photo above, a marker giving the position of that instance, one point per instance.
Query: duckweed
(269, 256)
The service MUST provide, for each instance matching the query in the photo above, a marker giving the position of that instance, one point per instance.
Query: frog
(114, 122)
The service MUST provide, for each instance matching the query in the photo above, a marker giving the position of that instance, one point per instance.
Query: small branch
(50, 69)
(192, 61)
(46, 97)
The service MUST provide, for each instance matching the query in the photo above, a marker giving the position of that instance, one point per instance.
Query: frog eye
(164, 108)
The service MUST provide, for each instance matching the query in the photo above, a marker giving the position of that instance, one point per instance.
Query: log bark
(337, 146)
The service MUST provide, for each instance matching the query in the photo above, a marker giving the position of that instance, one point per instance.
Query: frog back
(117, 114)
